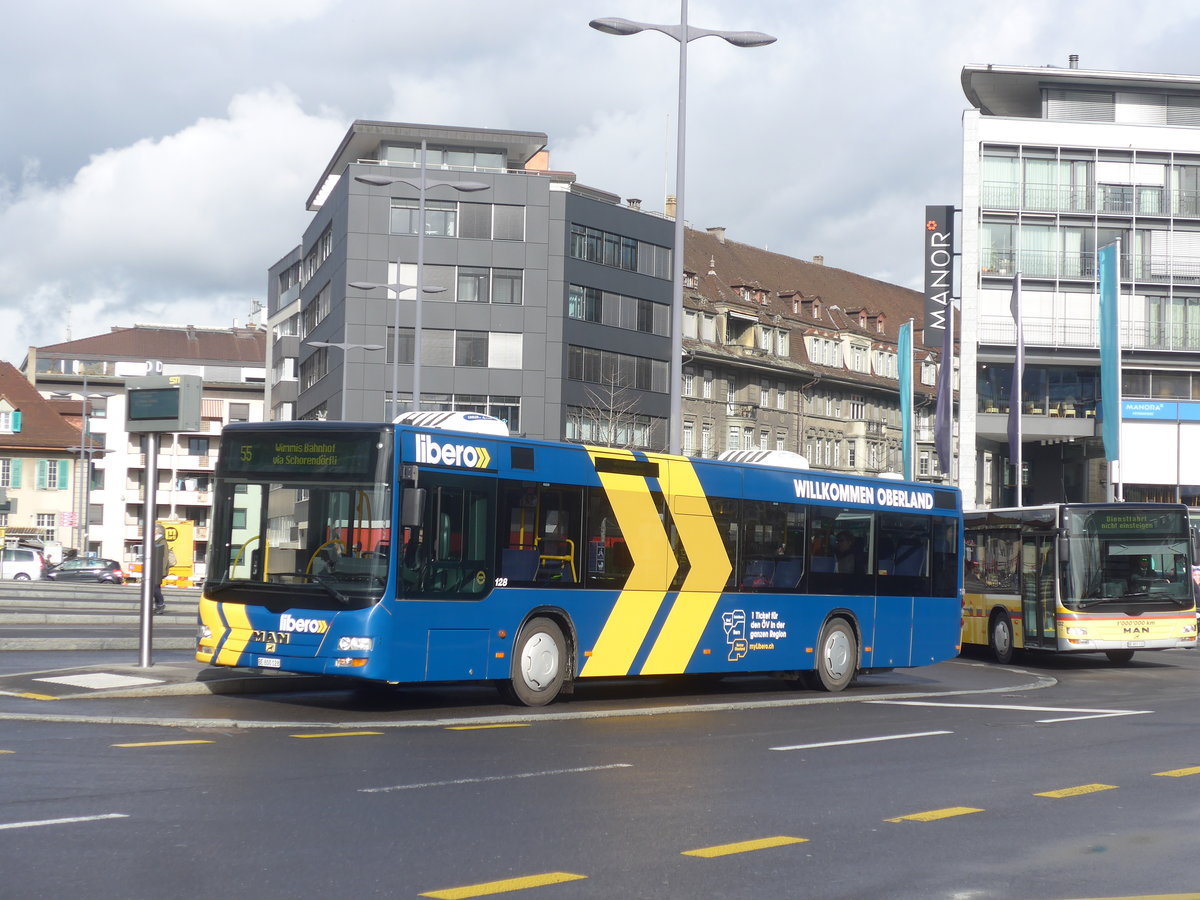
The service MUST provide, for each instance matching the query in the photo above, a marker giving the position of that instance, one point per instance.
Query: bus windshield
(1117, 557)
(309, 528)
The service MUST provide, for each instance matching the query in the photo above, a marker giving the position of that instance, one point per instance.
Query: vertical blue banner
(1110, 351)
(904, 351)
(943, 431)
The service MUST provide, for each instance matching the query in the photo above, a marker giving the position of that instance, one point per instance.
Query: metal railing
(1117, 199)
(1158, 268)
(1047, 331)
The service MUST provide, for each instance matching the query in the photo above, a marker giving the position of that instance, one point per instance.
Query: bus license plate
(267, 662)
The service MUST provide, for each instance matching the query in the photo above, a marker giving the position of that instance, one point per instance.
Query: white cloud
(173, 229)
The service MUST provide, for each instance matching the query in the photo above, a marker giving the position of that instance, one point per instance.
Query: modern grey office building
(553, 294)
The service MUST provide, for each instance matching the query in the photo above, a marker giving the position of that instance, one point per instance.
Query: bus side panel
(892, 642)
(936, 629)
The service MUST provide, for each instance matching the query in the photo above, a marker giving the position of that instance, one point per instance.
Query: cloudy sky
(155, 155)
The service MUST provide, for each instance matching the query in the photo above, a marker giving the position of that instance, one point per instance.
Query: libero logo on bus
(448, 453)
(288, 622)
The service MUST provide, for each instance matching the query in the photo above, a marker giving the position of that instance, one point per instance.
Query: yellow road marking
(481, 727)
(26, 695)
(161, 743)
(500, 887)
(934, 814)
(1077, 791)
(8, 751)
(744, 846)
(333, 734)
(1180, 773)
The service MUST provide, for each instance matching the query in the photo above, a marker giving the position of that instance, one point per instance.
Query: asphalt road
(1060, 779)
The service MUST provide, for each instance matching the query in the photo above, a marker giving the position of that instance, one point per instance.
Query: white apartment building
(94, 369)
(1058, 162)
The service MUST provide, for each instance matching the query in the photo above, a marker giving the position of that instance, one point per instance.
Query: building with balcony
(1058, 162)
(551, 290)
(787, 354)
(89, 375)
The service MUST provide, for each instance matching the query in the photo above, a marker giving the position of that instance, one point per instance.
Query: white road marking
(486, 778)
(870, 740)
(1087, 713)
(70, 821)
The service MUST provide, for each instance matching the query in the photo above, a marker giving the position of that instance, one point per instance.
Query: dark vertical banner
(1016, 394)
(939, 270)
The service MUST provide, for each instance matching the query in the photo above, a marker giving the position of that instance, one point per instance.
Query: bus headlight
(1076, 631)
(362, 644)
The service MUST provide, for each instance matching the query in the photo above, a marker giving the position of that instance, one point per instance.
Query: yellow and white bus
(1079, 577)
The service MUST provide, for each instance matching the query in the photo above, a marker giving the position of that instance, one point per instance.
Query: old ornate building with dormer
(785, 354)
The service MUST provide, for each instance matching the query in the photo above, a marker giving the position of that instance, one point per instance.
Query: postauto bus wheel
(1000, 638)
(837, 658)
(538, 664)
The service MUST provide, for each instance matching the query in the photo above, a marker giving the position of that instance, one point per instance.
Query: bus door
(1038, 604)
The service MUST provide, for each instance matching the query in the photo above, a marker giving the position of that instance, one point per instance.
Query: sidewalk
(175, 679)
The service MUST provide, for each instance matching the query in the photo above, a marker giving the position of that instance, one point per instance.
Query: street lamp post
(422, 184)
(398, 289)
(683, 33)
(83, 467)
(345, 348)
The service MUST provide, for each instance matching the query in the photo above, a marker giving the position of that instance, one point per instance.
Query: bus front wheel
(538, 664)
(837, 658)
(1119, 657)
(1000, 638)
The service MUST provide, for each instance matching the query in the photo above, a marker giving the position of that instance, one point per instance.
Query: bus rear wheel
(837, 658)
(1000, 638)
(538, 664)
(1119, 657)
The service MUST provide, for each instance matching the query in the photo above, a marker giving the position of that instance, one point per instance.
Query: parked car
(21, 564)
(105, 571)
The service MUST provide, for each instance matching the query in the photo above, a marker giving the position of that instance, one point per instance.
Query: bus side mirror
(412, 508)
(1064, 549)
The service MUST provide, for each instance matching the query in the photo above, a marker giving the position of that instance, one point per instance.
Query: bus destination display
(303, 455)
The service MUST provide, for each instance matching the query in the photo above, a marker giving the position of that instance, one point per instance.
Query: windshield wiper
(323, 580)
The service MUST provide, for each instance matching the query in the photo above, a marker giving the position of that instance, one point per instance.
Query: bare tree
(610, 418)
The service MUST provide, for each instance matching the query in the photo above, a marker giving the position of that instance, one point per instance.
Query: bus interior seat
(518, 565)
(910, 560)
(556, 559)
(824, 564)
(758, 573)
(787, 572)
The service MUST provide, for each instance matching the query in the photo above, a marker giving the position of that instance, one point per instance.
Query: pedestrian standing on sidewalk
(158, 568)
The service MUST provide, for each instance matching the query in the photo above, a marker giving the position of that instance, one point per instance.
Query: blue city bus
(409, 552)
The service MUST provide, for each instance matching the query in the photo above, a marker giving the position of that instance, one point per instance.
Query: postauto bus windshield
(302, 516)
(1135, 559)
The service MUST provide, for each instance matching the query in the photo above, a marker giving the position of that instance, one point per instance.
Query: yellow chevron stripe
(211, 617)
(654, 566)
(239, 634)
(710, 568)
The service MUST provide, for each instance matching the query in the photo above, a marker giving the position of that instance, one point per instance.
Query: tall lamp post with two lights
(83, 471)
(683, 33)
(345, 347)
(422, 185)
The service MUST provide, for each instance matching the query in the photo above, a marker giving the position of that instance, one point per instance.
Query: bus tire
(539, 664)
(1000, 638)
(1119, 657)
(837, 658)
